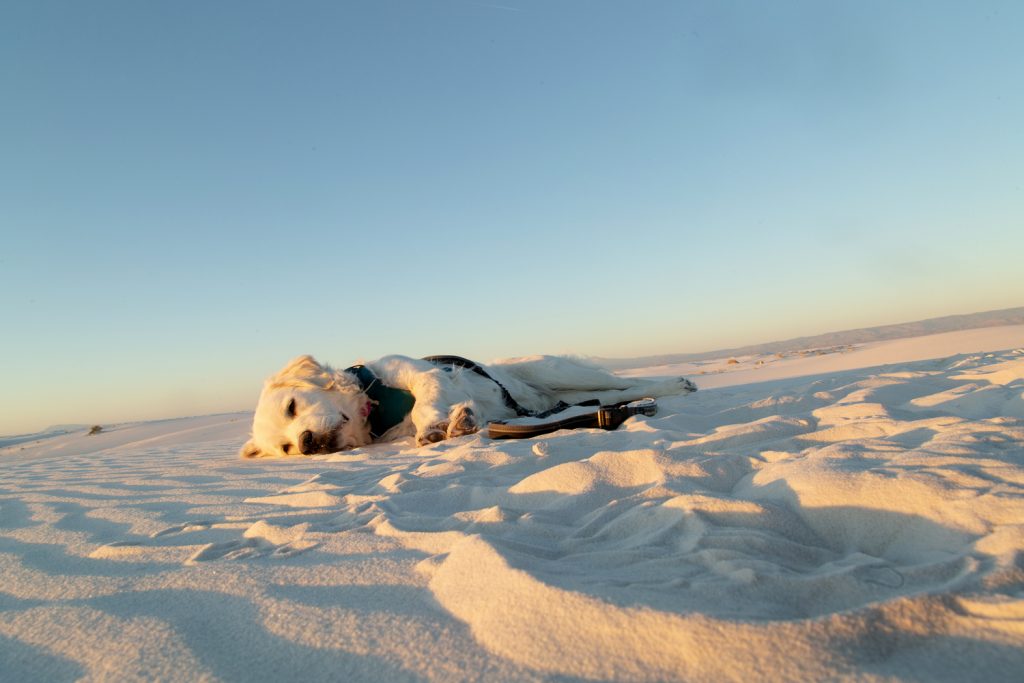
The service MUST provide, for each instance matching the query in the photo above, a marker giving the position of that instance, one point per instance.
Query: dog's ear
(299, 370)
(301, 366)
(304, 372)
(250, 450)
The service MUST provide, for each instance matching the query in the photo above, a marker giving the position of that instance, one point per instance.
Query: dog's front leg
(442, 411)
(429, 413)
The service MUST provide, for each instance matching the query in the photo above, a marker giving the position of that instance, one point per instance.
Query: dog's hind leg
(648, 389)
(564, 374)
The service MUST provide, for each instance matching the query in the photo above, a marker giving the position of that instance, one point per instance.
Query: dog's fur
(309, 408)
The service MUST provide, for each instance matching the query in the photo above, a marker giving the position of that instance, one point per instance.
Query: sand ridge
(853, 525)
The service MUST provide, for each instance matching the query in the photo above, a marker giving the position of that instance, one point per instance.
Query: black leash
(606, 417)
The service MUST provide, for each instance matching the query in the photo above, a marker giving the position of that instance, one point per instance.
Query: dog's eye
(290, 410)
(287, 448)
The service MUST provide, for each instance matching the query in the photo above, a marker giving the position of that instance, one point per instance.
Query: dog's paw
(432, 434)
(462, 421)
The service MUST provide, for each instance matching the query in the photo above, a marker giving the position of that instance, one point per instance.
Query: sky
(192, 193)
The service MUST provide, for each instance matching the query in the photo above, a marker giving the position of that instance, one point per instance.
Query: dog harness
(389, 405)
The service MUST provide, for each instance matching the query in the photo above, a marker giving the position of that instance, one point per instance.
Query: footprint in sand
(180, 528)
(261, 539)
(248, 548)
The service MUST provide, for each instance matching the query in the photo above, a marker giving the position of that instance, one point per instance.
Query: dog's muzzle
(313, 444)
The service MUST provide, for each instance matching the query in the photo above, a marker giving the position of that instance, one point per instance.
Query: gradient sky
(191, 193)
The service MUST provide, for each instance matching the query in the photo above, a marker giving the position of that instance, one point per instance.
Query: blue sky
(193, 193)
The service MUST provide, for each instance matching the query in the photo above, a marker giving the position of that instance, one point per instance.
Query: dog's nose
(306, 442)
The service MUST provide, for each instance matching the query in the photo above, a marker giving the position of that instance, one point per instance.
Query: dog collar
(389, 406)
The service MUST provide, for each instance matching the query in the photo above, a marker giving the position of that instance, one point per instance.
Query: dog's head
(308, 408)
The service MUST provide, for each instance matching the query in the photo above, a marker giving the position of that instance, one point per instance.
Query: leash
(606, 417)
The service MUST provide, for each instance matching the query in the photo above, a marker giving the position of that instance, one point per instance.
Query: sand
(841, 514)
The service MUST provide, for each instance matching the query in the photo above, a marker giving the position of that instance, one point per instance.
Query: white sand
(841, 521)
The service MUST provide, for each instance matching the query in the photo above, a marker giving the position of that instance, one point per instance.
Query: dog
(310, 408)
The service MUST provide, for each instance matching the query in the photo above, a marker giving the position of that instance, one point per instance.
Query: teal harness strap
(390, 405)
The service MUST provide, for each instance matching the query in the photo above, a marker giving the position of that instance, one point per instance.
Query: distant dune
(920, 328)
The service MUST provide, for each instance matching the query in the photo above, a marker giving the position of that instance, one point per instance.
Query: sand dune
(851, 520)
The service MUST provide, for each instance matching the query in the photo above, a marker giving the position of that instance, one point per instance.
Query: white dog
(309, 408)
